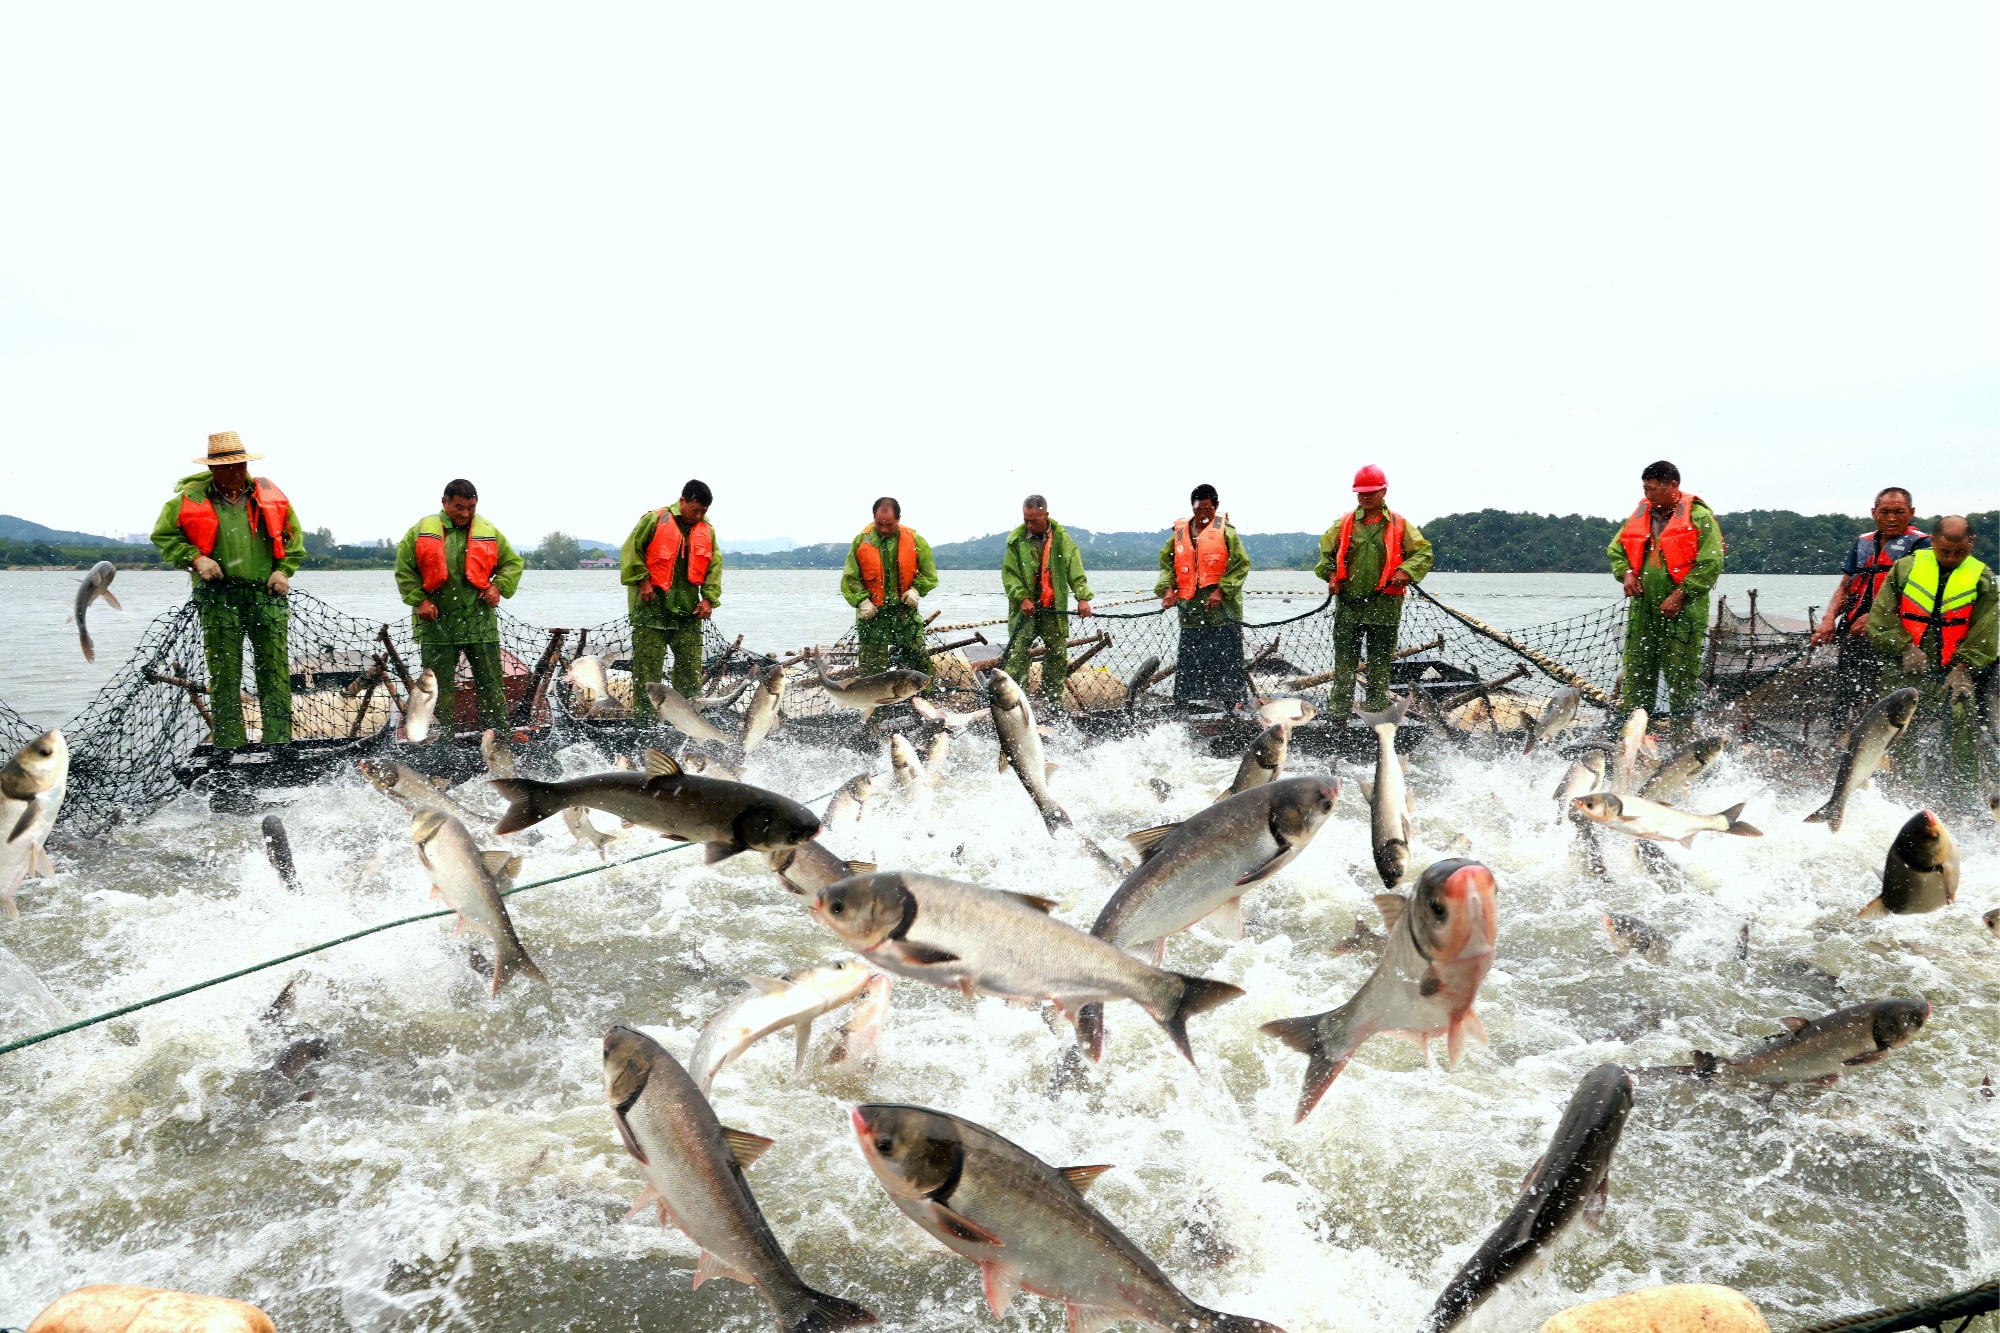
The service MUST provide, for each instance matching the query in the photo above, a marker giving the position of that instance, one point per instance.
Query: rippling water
(451, 1162)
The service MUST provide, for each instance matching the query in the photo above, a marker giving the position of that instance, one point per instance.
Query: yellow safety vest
(1923, 607)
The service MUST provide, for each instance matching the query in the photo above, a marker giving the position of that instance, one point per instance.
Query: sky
(813, 254)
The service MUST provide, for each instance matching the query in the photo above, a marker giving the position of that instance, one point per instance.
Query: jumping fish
(730, 817)
(865, 694)
(1819, 1051)
(1625, 755)
(857, 1033)
(694, 1173)
(1440, 948)
(1021, 744)
(1263, 762)
(953, 934)
(683, 716)
(944, 717)
(91, 587)
(1920, 873)
(1136, 684)
(1584, 777)
(1641, 818)
(1025, 1223)
(1388, 805)
(1569, 1181)
(851, 800)
(909, 771)
(937, 757)
(498, 757)
(576, 819)
(761, 718)
(1867, 751)
(794, 1001)
(470, 881)
(1992, 920)
(420, 713)
(1631, 935)
(278, 848)
(1558, 717)
(1679, 769)
(411, 789)
(586, 672)
(1291, 712)
(32, 786)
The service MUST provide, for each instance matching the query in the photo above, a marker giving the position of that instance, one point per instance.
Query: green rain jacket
(683, 597)
(1234, 576)
(1366, 550)
(1978, 649)
(856, 592)
(1021, 571)
(462, 617)
(1654, 581)
(243, 554)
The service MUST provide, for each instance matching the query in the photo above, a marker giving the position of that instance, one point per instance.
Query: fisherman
(240, 538)
(1369, 560)
(672, 573)
(1857, 666)
(885, 605)
(1040, 571)
(453, 567)
(1203, 568)
(1936, 621)
(1668, 556)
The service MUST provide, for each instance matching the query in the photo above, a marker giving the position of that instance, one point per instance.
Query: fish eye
(834, 907)
(884, 1144)
(1437, 909)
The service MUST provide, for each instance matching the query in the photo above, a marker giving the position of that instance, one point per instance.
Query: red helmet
(1370, 478)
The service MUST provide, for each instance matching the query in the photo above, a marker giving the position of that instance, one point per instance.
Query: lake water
(450, 1161)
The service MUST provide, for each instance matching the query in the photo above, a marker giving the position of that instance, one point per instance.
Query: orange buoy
(1694, 1307)
(110, 1307)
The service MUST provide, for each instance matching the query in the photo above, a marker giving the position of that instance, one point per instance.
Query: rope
(1965, 1306)
(1550, 667)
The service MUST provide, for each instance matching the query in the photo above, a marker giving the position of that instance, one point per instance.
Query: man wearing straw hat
(452, 568)
(240, 539)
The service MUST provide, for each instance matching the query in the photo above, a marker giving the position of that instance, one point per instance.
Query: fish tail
(83, 638)
(1875, 908)
(817, 1312)
(1705, 1064)
(509, 962)
(1828, 814)
(1737, 826)
(1197, 994)
(1090, 1030)
(1392, 716)
(1055, 817)
(1324, 1059)
(529, 802)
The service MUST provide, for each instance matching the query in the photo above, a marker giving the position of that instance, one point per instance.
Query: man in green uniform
(883, 580)
(1355, 560)
(453, 567)
(671, 566)
(1040, 570)
(1667, 557)
(1935, 622)
(1203, 568)
(242, 542)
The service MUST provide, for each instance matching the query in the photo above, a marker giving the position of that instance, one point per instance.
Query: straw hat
(226, 448)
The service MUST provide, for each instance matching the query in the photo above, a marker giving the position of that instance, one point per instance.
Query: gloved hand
(866, 611)
(207, 569)
(910, 598)
(1913, 660)
(278, 583)
(1958, 683)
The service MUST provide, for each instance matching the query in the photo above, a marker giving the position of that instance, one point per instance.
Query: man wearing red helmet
(1667, 556)
(1369, 560)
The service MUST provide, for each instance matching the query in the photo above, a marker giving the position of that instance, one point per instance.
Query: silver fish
(1920, 873)
(1584, 777)
(1631, 935)
(1021, 744)
(851, 801)
(499, 758)
(1200, 868)
(937, 757)
(730, 817)
(576, 819)
(683, 716)
(91, 587)
(1625, 756)
(1388, 804)
(909, 771)
(811, 866)
(1440, 948)
(1558, 717)
(865, 1017)
(1822, 1050)
(1679, 770)
(1263, 762)
(761, 718)
(420, 712)
(1025, 1223)
(1136, 683)
(470, 881)
(944, 717)
(1568, 1182)
(1992, 920)
(278, 849)
(411, 789)
(954, 934)
(1641, 818)
(1867, 751)
(1292, 712)
(32, 786)
(865, 694)
(586, 672)
(694, 1173)
(793, 1001)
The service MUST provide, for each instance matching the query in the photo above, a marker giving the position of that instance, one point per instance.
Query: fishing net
(15, 730)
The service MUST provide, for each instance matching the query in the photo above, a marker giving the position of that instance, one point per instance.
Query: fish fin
(509, 961)
(1197, 995)
(26, 822)
(1003, 1283)
(638, 1155)
(646, 1195)
(1705, 1064)
(1285, 856)
(1791, 1024)
(529, 802)
(1323, 1066)
(1737, 826)
(720, 851)
(39, 865)
(825, 1314)
(106, 594)
(660, 764)
(1874, 908)
(1146, 841)
(1880, 878)
(1090, 1030)
(1866, 1058)
(1091, 1318)
(1829, 814)
(1454, 1042)
(1081, 1178)
(711, 1266)
(1228, 919)
(1005, 762)
(1042, 905)
(744, 1146)
(769, 985)
(1392, 716)
(1687, 842)
(954, 1223)
(860, 867)
(495, 862)
(804, 1039)
(1474, 1028)
(916, 955)
(966, 989)
(1391, 906)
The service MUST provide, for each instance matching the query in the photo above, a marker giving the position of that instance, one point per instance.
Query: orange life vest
(1932, 597)
(1202, 561)
(482, 553)
(665, 550)
(1048, 585)
(199, 523)
(870, 560)
(1392, 553)
(1866, 585)
(1680, 541)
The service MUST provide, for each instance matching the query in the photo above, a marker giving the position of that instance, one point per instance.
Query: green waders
(487, 678)
(1656, 646)
(232, 611)
(1939, 759)
(894, 626)
(649, 658)
(1052, 628)
(1356, 624)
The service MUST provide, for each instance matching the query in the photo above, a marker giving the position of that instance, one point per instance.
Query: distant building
(601, 562)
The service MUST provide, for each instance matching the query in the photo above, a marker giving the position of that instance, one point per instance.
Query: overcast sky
(814, 253)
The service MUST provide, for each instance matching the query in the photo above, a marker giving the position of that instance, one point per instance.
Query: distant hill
(1101, 550)
(761, 546)
(21, 530)
(586, 544)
